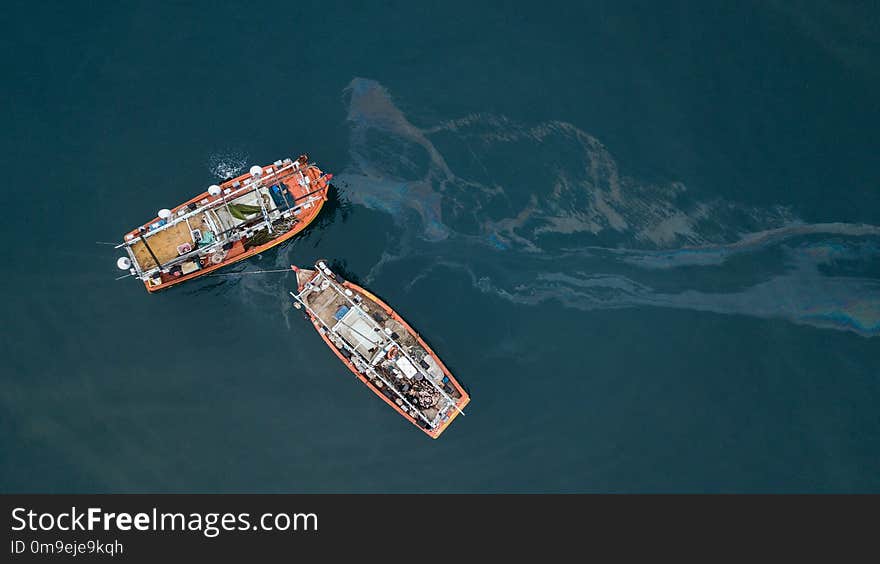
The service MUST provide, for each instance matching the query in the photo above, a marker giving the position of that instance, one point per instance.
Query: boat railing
(401, 349)
(221, 240)
(250, 186)
(366, 363)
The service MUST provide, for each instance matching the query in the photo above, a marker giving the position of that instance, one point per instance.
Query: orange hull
(319, 187)
(461, 403)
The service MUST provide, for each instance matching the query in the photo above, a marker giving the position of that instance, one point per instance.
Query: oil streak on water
(583, 233)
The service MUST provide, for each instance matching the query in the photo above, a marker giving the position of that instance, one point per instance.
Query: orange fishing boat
(381, 349)
(232, 221)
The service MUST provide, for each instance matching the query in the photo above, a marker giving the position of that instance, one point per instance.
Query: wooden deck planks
(164, 244)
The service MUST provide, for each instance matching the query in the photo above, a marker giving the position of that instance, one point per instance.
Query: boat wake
(227, 164)
(543, 212)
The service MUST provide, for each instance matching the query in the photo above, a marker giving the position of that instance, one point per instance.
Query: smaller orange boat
(381, 349)
(230, 222)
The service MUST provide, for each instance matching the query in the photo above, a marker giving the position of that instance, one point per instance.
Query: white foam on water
(226, 164)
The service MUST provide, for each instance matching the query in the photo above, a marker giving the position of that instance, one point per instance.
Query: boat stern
(436, 432)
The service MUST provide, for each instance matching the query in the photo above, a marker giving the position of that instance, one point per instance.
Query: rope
(248, 272)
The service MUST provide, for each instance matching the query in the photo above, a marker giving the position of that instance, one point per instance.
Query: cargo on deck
(381, 349)
(229, 222)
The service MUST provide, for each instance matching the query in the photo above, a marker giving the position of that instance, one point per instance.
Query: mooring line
(248, 272)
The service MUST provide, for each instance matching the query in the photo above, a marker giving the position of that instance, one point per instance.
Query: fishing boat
(380, 349)
(230, 222)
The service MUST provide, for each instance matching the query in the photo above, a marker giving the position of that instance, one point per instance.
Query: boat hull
(461, 402)
(160, 250)
(246, 254)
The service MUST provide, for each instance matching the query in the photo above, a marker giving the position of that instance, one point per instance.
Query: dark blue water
(645, 237)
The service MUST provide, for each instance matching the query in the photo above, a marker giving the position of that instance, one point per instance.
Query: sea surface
(645, 236)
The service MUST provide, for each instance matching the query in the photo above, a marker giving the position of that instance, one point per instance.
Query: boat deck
(325, 305)
(253, 219)
(164, 243)
(370, 338)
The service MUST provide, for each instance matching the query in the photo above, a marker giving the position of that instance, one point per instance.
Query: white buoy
(214, 190)
(164, 213)
(256, 170)
(123, 263)
(322, 265)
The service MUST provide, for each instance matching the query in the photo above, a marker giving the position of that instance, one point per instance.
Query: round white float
(214, 190)
(164, 213)
(256, 170)
(123, 263)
